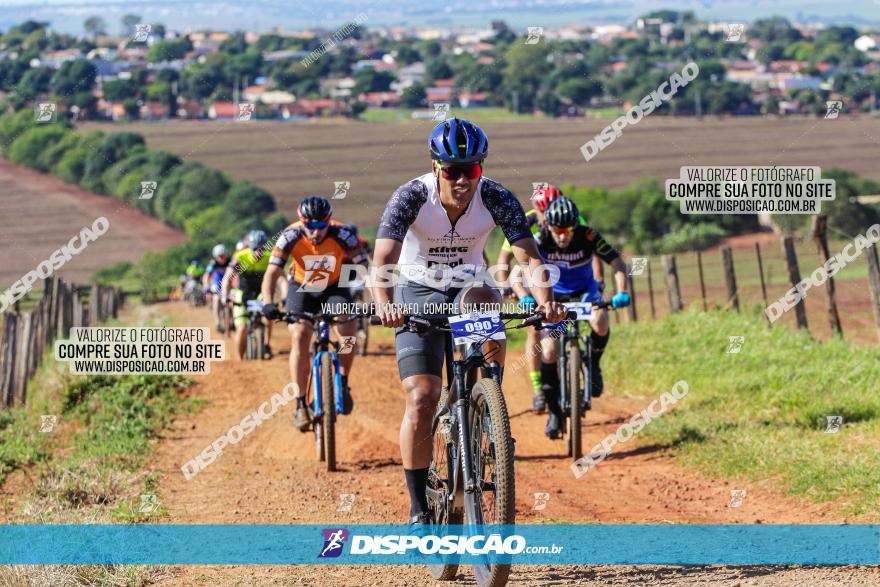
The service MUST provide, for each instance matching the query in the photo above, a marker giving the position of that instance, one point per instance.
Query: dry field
(41, 213)
(294, 159)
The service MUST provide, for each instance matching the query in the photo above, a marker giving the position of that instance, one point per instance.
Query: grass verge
(759, 413)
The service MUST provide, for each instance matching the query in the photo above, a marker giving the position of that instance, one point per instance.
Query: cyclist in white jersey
(435, 227)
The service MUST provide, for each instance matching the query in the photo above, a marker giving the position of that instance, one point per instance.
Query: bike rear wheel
(493, 502)
(328, 405)
(575, 391)
(440, 478)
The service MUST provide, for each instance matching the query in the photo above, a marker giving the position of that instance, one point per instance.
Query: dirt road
(272, 477)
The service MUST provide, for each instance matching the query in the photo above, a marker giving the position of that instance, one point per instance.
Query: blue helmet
(457, 140)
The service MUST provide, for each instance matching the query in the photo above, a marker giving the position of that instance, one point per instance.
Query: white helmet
(219, 250)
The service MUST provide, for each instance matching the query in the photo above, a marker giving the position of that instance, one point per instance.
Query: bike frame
(461, 374)
(321, 346)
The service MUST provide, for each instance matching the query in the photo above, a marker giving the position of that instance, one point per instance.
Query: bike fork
(464, 433)
(316, 378)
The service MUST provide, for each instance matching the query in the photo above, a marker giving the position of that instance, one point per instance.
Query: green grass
(90, 466)
(759, 414)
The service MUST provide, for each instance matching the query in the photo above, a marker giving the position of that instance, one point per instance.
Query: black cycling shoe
(267, 352)
(303, 418)
(539, 402)
(598, 385)
(347, 401)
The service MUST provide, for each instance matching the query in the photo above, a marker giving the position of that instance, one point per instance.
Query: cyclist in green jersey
(242, 282)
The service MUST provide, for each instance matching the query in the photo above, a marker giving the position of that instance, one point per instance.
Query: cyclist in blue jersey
(570, 246)
(213, 278)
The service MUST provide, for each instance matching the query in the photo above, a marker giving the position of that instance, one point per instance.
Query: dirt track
(272, 477)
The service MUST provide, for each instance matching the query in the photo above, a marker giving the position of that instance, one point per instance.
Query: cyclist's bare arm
(385, 256)
(598, 269)
(225, 282)
(267, 289)
(526, 252)
(620, 274)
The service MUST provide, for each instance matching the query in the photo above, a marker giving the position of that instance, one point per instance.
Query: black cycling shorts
(312, 301)
(422, 353)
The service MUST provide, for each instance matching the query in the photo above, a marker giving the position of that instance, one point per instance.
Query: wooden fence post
(872, 257)
(633, 315)
(23, 352)
(673, 291)
(761, 274)
(820, 237)
(730, 277)
(651, 291)
(95, 302)
(794, 276)
(8, 356)
(702, 281)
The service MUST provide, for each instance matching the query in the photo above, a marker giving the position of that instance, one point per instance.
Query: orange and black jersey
(317, 262)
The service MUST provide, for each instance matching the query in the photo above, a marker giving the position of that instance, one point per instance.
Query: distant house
(222, 111)
(440, 95)
(380, 99)
(277, 97)
(189, 108)
(473, 100)
(254, 93)
(413, 73)
(311, 108)
(154, 111)
(866, 43)
(54, 59)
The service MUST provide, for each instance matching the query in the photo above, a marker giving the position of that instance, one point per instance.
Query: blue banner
(388, 544)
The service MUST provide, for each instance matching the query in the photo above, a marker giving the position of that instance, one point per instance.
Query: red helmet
(544, 194)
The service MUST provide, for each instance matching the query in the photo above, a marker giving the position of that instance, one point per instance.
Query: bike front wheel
(493, 502)
(576, 391)
(328, 406)
(441, 473)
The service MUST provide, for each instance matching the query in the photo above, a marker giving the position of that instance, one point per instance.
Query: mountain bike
(471, 472)
(256, 332)
(326, 382)
(576, 374)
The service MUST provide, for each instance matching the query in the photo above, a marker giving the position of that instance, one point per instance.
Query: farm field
(43, 213)
(294, 159)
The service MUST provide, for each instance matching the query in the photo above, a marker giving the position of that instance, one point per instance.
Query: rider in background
(318, 250)
(193, 273)
(543, 195)
(570, 246)
(213, 280)
(248, 266)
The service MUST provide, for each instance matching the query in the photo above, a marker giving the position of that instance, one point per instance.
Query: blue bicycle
(326, 382)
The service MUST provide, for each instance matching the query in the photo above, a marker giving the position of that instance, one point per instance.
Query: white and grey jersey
(433, 247)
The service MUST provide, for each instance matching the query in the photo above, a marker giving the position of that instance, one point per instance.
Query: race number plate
(584, 309)
(476, 327)
(254, 306)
